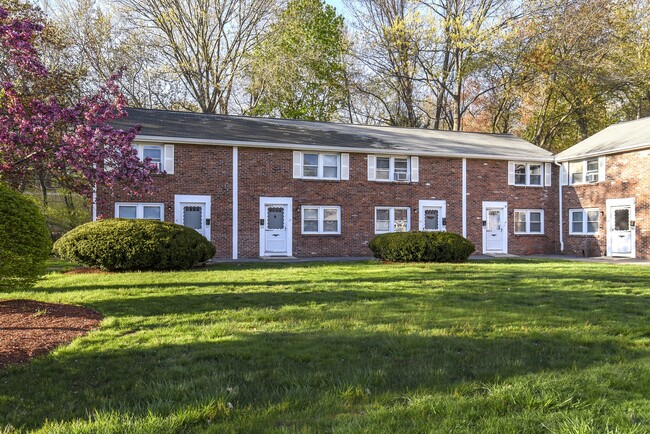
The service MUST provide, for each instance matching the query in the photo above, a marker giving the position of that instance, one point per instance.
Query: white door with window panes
(193, 212)
(275, 226)
(495, 227)
(432, 215)
(621, 227)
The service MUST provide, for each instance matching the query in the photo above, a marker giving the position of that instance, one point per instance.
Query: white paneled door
(495, 227)
(275, 226)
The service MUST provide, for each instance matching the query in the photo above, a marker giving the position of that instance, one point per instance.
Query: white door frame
(286, 201)
(613, 203)
(504, 216)
(442, 204)
(183, 198)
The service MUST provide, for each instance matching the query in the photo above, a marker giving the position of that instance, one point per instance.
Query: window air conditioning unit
(401, 176)
(592, 177)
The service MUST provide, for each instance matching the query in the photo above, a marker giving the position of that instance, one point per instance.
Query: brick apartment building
(259, 187)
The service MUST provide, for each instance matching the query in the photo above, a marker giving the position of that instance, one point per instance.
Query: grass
(497, 347)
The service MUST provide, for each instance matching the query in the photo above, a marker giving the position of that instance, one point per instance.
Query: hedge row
(421, 247)
(25, 242)
(128, 245)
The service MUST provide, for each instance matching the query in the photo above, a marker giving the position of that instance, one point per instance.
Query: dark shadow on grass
(300, 369)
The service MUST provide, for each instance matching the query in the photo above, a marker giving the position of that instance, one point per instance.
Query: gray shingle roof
(615, 138)
(240, 130)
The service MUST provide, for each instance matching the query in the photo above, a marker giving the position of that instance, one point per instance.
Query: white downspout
(464, 198)
(235, 202)
(560, 205)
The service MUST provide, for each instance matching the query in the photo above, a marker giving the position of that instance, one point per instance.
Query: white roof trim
(360, 150)
(601, 153)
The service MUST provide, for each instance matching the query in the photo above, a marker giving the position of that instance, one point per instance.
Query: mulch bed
(31, 328)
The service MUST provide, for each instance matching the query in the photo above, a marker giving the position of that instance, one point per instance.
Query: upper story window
(584, 221)
(323, 166)
(528, 174)
(392, 219)
(147, 211)
(393, 169)
(162, 156)
(584, 171)
(320, 165)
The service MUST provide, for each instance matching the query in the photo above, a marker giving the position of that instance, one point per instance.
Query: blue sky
(338, 4)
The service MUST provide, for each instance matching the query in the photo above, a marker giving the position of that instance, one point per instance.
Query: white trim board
(320, 148)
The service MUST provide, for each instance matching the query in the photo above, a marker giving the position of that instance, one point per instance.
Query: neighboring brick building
(606, 193)
(271, 187)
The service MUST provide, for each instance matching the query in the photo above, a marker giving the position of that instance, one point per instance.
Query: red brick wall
(487, 180)
(207, 170)
(357, 198)
(627, 175)
(198, 170)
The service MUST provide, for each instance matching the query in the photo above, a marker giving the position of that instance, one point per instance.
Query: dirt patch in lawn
(86, 271)
(31, 328)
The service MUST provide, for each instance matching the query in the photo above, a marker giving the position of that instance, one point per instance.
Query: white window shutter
(548, 172)
(345, 167)
(415, 169)
(511, 173)
(169, 159)
(601, 168)
(372, 162)
(297, 164)
(564, 173)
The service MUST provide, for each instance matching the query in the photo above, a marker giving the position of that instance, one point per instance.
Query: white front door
(193, 212)
(275, 226)
(495, 227)
(432, 215)
(620, 227)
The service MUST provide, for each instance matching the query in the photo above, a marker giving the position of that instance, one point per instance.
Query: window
(392, 220)
(584, 221)
(529, 221)
(392, 169)
(321, 220)
(148, 211)
(584, 171)
(320, 166)
(154, 152)
(528, 174)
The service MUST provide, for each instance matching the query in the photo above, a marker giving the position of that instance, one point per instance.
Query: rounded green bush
(421, 247)
(129, 245)
(25, 242)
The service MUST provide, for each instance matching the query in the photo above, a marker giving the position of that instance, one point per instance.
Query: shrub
(128, 245)
(25, 242)
(421, 247)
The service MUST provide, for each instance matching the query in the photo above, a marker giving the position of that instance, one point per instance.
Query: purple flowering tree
(73, 142)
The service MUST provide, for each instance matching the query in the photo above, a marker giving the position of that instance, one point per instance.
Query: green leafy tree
(298, 72)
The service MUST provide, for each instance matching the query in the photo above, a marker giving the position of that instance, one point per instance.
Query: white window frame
(391, 168)
(321, 219)
(527, 213)
(391, 224)
(527, 173)
(139, 211)
(321, 165)
(585, 173)
(140, 148)
(585, 221)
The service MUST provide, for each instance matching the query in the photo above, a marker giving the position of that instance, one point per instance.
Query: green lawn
(519, 346)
